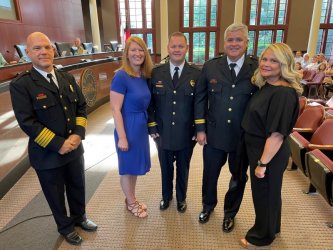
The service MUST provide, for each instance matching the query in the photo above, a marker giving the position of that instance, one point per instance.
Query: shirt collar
(239, 62)
(172, 68)
(44, 73)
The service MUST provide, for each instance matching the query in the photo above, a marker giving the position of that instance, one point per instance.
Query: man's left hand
(75, 140)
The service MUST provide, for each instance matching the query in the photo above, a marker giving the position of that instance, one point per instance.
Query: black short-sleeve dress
(271, 109)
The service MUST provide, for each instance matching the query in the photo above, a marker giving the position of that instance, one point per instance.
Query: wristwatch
(260, 164)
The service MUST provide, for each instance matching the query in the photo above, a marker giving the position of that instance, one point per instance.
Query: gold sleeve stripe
(44, 137)
(200, 121)
(81, 121)
(152, 124)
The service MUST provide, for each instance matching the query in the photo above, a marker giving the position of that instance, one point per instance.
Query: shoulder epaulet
(158, 65)
(194, 66)
(214, 58)
(22, 74)
(253, 57)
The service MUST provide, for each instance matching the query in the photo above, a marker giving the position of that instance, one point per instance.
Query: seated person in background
(326, 87)
(329, 71)
(298, 68)
(3, 61)
(77, 46)
(298, 56)
(306, 60)
(322, 67)
(321, 59)
(314, 63)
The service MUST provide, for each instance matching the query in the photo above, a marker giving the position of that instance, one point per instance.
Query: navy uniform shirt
(171, 111)
(220, 103)
(49, 115)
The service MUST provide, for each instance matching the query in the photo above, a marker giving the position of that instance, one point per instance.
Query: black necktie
(175, 77)
(50, 76)
(232, 71)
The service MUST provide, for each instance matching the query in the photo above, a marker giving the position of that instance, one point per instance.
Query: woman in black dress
(268, 120)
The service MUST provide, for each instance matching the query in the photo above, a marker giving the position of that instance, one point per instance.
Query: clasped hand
(201, 138)
(70, 144)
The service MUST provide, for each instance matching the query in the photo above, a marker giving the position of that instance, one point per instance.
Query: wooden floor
(304, 217)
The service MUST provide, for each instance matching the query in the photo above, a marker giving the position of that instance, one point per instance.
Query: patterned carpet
(304, 216)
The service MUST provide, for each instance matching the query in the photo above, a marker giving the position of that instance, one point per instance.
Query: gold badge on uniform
(192, 83)
(71, 87)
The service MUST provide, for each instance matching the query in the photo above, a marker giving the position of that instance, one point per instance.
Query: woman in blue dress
(130, 97)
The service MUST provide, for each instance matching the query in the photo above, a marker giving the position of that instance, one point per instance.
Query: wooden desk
(10, 71)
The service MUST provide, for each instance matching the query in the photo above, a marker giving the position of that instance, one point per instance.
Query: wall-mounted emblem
(88, 85)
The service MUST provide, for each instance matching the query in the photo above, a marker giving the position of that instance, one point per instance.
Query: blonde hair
(285, 57)
(147, 64)
(322, 64)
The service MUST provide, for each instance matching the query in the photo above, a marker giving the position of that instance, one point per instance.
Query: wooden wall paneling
(61, 20)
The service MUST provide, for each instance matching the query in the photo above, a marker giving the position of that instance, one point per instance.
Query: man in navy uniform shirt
(223, 91)
(171, 119)
(51, 109)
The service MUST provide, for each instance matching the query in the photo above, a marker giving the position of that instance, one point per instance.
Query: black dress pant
(266, 192)
(182, 159)
(55, 182)
(214, 159)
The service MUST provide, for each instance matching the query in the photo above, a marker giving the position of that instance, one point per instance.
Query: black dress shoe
(164, 204)
(181, 206)
(73, 238)
(204, 216)
(87, 225)
(228, 225)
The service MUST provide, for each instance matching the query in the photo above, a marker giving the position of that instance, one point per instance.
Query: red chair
(320, 168)
(302, 104)
(314, 84)
(306, 126)
(309, 120)
(308, 75)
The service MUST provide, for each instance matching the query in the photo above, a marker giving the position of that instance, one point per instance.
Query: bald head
(36, 35)
(40, 51)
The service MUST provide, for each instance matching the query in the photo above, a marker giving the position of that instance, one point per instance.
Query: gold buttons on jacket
(44, 107)
(174, 102)
(65, 108)
(70, 131)
(68, 119)
(173, 123)
(174, 91)
(229, 121)
(231, 97)
(174, 113)
(233, 85)
(229, 109)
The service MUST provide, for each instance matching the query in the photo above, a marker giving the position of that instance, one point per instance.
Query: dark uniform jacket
(220, 103)
(171, 111)
(48, 115)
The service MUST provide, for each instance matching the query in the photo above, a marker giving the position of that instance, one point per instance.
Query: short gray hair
(237, 27)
